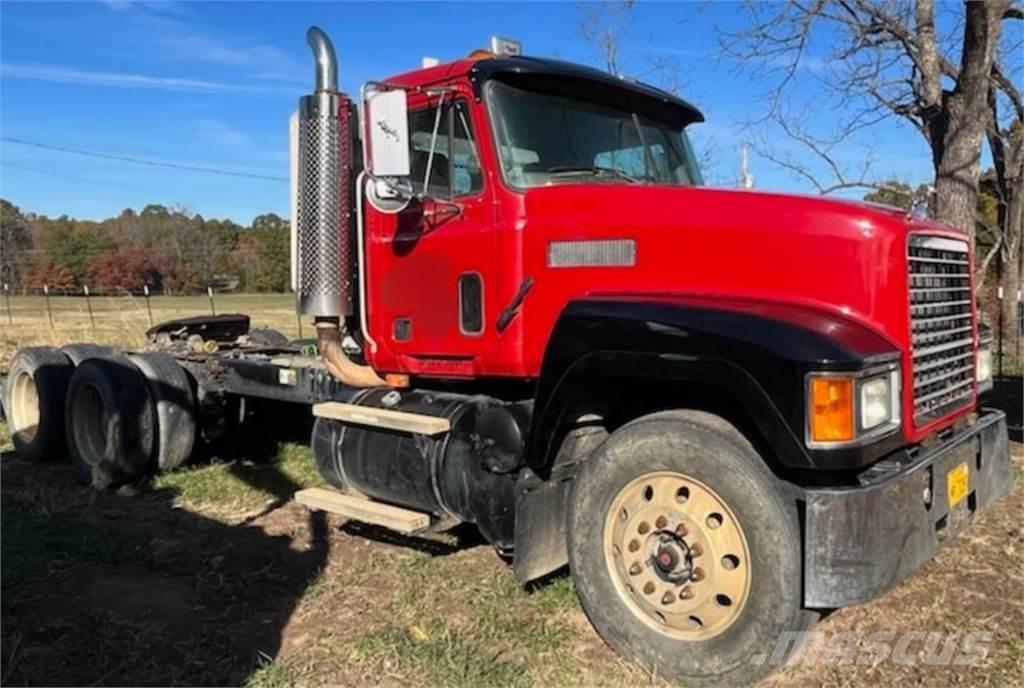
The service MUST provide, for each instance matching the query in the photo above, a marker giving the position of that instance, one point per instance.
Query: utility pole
(746, 179)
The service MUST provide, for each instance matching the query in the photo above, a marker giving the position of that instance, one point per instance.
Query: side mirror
(387, 133)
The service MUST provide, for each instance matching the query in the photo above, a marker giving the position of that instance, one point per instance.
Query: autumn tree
(127, 268)
(47, 273)
(72, 243)
(15, 244)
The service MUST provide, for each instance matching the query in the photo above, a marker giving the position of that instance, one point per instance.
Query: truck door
(431, 267)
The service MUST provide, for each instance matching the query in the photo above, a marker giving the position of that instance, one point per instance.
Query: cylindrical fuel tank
(444, 475)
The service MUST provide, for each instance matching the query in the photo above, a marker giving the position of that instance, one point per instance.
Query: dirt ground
(213, 577)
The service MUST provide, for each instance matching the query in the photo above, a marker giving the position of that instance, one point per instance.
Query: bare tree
(887, 59)
(951, 72)
(604, 25)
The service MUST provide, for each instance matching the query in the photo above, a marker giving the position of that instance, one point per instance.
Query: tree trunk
(1010, 280)
(957, 128)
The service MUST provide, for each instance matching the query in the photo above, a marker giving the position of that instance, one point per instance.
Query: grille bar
(941, 326)
(925, 381)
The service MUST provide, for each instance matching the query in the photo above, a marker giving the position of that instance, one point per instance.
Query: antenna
(746, 179)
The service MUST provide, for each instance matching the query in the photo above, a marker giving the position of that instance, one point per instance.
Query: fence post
(88, 305)
(298, 317)
(149, 309)
(49, 311)
(209, 292)
(999, 343)
(7, 297)
(1019, 328)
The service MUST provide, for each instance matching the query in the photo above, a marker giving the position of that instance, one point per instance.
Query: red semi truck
(724, 410)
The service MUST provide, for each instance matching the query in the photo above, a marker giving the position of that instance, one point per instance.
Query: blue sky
(213, 84)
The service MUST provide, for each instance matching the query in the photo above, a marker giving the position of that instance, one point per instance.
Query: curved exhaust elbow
(326, 60)
(344, 369)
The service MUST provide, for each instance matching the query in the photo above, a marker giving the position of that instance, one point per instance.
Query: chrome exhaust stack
(323, 209)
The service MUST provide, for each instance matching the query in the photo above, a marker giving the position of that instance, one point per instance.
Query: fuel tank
(465, 475)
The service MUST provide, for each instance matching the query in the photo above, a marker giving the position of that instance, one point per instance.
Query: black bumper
(861, 541)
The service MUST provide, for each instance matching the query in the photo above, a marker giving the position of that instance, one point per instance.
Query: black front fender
(756, 352)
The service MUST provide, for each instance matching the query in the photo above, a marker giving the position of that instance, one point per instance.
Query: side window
(455, 167)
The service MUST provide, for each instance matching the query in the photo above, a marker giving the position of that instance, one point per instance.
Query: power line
(124, 187)
(142, 161)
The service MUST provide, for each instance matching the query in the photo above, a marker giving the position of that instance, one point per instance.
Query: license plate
(957, 481)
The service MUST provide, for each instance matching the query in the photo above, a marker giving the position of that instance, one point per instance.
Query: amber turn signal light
(831, 409)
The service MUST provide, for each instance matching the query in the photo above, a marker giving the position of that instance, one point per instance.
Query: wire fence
(55, 316)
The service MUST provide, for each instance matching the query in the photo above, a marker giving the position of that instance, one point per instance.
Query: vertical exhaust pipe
(324, 213)
(326, 60)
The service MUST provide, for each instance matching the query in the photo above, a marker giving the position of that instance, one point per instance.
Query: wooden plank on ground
(362, 509)
(382, 418)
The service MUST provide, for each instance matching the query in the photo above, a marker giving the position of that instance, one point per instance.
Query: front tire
(685, 549)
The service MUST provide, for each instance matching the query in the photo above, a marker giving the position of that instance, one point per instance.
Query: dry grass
(123, 320)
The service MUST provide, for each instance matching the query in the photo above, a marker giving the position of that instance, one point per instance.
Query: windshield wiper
(592, 169)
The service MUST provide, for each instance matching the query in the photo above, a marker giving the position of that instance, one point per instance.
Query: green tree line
(166, 249)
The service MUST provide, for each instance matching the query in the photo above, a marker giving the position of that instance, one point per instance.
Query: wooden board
(382, 418)
(363, 509)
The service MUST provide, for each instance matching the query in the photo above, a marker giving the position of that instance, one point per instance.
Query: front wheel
(685, 549)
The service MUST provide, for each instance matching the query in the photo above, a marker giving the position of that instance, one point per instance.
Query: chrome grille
(942, 326)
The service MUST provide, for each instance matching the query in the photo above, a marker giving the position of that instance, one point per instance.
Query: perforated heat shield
(323, 206)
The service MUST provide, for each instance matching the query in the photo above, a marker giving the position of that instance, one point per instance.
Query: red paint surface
(833, 255)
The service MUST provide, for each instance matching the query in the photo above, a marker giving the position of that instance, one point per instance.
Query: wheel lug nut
(696, 550)
(697, 575)
(668, 598)
(661, 522)
(681, 530)
(649, 588)
(634, 545)
(635, 569)
(643, 528)
(686, 593)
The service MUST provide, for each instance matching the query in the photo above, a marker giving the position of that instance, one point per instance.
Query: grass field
(123, 320)
(213, 576)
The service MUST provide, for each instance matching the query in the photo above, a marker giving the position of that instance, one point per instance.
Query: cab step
(402, 421)
(364, 510)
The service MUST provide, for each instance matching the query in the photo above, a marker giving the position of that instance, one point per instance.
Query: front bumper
(860, 541)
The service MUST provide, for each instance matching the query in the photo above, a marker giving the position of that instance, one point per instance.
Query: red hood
(837, 255)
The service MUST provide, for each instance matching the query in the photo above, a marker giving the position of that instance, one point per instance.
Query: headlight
(983, 364)
(850, 408)
(875, 402)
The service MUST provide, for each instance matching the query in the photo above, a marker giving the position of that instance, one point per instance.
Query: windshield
(550, 138)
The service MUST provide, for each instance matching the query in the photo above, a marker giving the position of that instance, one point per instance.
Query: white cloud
(179, 34)
(67, 75)
(219, 133)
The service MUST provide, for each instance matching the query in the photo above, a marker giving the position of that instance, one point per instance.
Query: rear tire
(82, 352)
(34, 402)
(110, 423)
(174, 402)
(686, 551)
